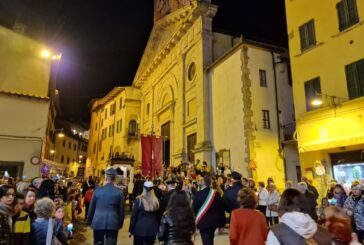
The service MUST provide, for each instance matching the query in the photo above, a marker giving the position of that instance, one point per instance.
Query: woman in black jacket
(7, 197)
(144, 219)
(178, 222)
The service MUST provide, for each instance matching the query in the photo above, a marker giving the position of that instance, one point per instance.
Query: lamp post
(320, 99)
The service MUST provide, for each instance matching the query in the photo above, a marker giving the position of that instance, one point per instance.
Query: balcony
(122, 159)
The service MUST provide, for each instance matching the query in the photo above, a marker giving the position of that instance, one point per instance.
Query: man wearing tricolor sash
(209, 211)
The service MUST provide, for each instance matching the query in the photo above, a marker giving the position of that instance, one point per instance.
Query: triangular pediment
(165, 33)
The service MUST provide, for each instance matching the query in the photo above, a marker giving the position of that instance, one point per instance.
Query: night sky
(102, 41)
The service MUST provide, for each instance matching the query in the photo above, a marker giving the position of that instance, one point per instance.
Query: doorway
(191, 142)
(166, 133)
(14, 169)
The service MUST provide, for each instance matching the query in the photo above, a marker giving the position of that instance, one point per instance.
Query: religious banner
(157, 168)
(146, 154)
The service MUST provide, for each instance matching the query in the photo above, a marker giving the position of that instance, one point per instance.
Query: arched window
(133, 128)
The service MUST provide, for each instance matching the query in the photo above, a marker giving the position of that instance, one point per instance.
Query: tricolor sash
(206, 205)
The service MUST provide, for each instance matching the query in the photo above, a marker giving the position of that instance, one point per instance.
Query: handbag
(51, 240)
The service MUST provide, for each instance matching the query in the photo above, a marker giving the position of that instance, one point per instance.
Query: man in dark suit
(209, 211)
(171, 186)
(230, 198)
(106, 211)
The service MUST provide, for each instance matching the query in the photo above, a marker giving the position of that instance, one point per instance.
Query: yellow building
(27, 91)
(114, 129)
(327, 59)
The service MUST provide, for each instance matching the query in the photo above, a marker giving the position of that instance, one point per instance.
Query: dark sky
(102, 41)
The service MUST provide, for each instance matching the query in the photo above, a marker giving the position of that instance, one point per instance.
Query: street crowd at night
(172, 209)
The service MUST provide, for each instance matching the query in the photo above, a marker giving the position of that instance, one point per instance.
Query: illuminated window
(312, 89)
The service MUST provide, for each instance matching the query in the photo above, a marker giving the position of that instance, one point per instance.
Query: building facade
(327, 60)
(252, 110)
(200, 91)
(26, 103)
(114, 129)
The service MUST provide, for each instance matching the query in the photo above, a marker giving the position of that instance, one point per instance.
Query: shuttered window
(355, 79)
(307, 35)
(312, 89)
(347, 14)
(266, 119)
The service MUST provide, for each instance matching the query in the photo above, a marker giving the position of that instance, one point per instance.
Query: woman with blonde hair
(144, 222)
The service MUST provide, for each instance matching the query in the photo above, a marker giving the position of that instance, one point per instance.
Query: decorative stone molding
(247, 102)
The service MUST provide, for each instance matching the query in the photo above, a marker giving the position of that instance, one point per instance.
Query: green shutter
(311, 33)
(360, 72)
(303, 37)
(352, 81)
(341, 15)
(353, 12)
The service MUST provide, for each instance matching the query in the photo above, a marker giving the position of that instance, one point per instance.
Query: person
(59, 213)
(86, 185)
(171, 187)
(289, 184)
(296, 227)
(251, 184)
(338, 225)
(262, 197)
(245, 182)
(310, 187)
(144, 221)
(69, 208)
(321, 210)
(30, 194)
(269, 181)
(44, 209)
(46, 188)
(309, 202)
(230, 196)
(138, 186)
(21, 222)
(87, 199)
(106, 211)
(157, 191)
(247, 226)
(7, 197)
(178, 222)
(339, 195)
(354, 207)
(209, 211)
(272, 205)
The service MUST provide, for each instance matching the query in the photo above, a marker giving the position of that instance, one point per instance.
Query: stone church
(215, 97)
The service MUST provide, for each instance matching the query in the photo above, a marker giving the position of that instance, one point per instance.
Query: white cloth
(301, 223)
(273, 198)
(263, 196)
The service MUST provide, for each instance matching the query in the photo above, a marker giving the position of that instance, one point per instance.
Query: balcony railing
(288, 131)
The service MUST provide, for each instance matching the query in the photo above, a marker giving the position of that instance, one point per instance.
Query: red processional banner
(146, 154)
(152, 156)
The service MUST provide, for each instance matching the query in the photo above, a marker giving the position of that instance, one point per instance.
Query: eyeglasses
(10, 194)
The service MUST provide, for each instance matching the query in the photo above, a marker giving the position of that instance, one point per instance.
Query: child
(21, 219)
(59, 214)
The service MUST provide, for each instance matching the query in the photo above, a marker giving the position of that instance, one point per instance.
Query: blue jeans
(105, 237)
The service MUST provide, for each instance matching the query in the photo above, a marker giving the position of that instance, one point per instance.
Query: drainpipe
(280, 145)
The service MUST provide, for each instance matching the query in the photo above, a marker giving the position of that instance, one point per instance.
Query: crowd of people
(172, 209)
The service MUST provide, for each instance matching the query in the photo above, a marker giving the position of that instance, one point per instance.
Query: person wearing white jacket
(262, 197)
(272, 205)
(296, 227)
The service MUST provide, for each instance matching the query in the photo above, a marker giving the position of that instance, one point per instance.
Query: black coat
(143, 223)
(215, 215)
(46, 189)
(309, 204)
(230, 198)
(165, 201)
(138, 188)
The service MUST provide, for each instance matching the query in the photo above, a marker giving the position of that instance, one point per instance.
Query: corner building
(327, 60)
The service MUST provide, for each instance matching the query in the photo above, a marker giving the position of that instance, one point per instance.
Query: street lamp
(60, 134)
(319, 100)
(44, 53)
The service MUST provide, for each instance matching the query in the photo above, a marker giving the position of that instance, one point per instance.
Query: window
(68, 160)
(95, 126)
(62, 159)
(69, 145)
(355, 79)
(266, 119)
(347, 14)
(120, 103)
(64, 143)
(312, 88)
(133, 128)
(100, 142)
(74, 147)
(105, 113)
(112, 109)
(111, 130)
(118, 126)
(102, 122)
(263, 78)
(94, 151)
(148, 108)
(307, 35)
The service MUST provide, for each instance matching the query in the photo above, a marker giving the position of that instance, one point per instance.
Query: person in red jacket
(87, 200)
(247, 225)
